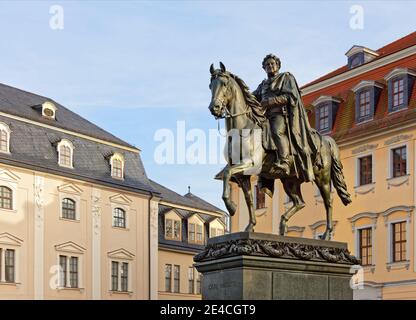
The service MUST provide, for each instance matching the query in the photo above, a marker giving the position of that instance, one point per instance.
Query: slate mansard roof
(188, 200)
(34, 146)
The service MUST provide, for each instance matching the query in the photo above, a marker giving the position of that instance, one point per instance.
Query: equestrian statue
(269, 135)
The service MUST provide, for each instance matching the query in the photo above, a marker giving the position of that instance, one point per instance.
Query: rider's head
(271, 64)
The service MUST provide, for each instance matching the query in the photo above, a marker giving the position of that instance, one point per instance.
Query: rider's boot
(282, 165)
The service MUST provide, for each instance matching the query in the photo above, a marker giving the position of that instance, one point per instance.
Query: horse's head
(220, 90)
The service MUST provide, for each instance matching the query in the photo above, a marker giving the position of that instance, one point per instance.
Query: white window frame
(6, 128)
(173, 228)
(390, 240)
(76, 199)
(373, 243)
(129, 274)
(389, 225)
(390, 159)
(357, 169)
(68, 274)
(117, 156)
(66, 143)
(16, 248)
(122, 202)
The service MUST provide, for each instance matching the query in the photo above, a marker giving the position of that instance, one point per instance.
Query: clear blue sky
(133, 67)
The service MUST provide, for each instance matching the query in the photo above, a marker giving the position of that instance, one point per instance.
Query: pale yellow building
(369, 107)
(78, 216)
(185, 224)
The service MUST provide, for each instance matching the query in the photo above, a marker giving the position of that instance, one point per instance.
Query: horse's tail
(336, 172)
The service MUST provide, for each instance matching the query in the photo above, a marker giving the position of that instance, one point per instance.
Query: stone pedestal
(258, 266)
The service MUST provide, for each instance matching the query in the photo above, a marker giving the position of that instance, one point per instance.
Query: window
(173, 229)
(65, 153)
(176, 278)
(4, 138)
(260, 199)
(9, 265)
(399, 162)
(114, 276)
(399, 241)
(366, 246)
(191, 281)
(198, 283)
(117, 166)
(398, 94)
(199, 234)
(119, 276)
(124, 276)
(5, 198)
(119, 218)
(195, 233)
(73, 272)
(168, 278)
(68, 270)
(323, 117)
(400, 84)
(192, 232)
(365, 106)
(68, 209)
(215, 232)
(365, 170)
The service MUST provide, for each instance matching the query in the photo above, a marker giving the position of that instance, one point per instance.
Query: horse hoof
(231, 208)
(282, 227)
(249, 228)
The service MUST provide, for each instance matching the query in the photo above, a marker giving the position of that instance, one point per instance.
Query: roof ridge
(338, 71)
(26, 98)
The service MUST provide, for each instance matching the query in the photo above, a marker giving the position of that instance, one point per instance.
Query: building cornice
(343, 143)
(76, 177)
(360, 70)
(76, 134)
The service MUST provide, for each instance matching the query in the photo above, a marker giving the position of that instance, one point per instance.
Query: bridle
(225, 113)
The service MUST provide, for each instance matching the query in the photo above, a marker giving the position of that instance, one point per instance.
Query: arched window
(68, 209)
(65, 153)
(4, 138)
(117, 166)
(6, 197)
(119, 218)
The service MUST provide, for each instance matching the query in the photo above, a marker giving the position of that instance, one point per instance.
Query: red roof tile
(400, 44)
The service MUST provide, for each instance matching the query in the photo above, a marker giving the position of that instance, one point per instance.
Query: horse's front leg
(246, 187)
(229, 171)
(229, 204)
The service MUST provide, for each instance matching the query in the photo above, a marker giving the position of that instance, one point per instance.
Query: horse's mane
(256, 112)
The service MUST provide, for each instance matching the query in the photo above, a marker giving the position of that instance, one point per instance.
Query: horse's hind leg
(325, 190)
(246, 186)
(292, 189)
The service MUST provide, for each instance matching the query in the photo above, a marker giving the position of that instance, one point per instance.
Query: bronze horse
(232, 100)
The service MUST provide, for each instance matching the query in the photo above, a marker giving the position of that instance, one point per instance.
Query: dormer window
(65, 153)
(400, 83)
(366, 99)
(117, 166)
(4, 138)
(173, 228)
(195, 230)
(326, 108)
(359, 55)
(48, 110)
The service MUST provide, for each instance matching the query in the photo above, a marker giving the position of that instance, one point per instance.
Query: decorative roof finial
(189, 189)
